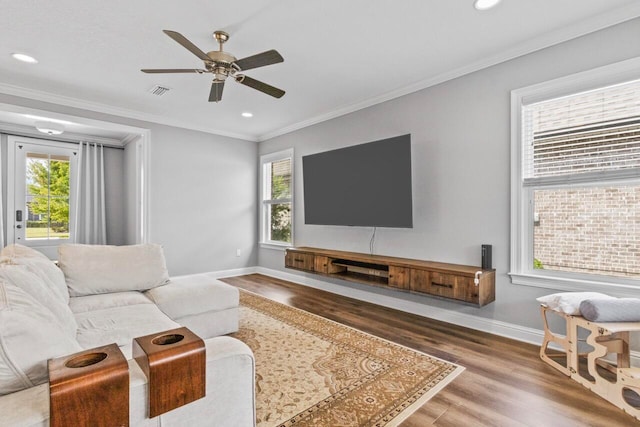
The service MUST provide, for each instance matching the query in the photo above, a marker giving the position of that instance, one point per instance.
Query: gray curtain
(90, 223)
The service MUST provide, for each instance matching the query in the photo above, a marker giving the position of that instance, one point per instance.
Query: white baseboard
(234, 272)
(496, 327)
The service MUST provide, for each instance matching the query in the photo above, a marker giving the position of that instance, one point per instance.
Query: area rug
(311, 371)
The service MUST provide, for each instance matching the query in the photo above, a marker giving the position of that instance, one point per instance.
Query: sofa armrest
(230, 398)
(229, 402)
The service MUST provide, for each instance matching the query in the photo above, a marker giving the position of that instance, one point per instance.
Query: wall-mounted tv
(365, 185)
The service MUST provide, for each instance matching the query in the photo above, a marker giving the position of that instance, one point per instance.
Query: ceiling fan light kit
(222, 64)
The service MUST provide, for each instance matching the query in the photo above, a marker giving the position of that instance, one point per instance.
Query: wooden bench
(611, 380)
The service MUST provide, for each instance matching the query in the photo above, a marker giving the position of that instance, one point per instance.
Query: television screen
(363, 185)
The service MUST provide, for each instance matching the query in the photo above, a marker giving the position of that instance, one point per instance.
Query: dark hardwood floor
(505, 382)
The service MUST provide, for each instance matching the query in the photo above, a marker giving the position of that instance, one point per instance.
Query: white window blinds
(591, 132)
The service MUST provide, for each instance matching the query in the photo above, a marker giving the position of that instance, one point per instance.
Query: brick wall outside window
(589, 230)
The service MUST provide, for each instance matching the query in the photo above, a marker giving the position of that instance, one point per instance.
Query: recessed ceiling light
(247, 114)
(485, 4)
(24, 58)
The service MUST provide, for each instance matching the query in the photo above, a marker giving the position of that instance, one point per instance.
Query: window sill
(575, 285)
(276, 246)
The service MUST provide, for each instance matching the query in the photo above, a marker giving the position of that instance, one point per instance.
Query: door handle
(18, 216)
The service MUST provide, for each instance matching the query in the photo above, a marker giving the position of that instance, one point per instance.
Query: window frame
(521, 269)
(264, 182)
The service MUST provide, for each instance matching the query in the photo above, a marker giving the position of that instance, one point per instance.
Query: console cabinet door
(298, 260)
(321, 264)
(443, 285)
(419, 280)
(399, 277)
(454, 286)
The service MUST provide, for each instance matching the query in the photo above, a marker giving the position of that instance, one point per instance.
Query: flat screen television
(365, 185)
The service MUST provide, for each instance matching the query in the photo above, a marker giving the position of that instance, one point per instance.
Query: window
(276, 198)
(576, 182)
(40, 200)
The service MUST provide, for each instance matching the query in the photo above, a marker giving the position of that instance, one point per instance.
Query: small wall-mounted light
(49, 128)
(247, 114)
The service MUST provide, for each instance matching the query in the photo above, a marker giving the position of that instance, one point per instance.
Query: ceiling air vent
(159, 90)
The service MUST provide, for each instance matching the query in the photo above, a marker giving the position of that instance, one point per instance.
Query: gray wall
(461, 168)
(202, 193)
(203, 200)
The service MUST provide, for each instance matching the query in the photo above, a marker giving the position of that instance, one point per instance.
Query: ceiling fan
(222, 65)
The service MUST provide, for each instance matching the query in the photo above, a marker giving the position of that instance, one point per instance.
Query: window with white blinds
(597, 131)
(575, 182)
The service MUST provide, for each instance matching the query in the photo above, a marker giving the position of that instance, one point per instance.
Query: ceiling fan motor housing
(220, 64)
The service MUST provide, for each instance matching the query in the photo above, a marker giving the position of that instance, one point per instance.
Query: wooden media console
(452, 281)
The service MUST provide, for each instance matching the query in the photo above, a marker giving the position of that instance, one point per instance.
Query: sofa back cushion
(29, 336)
(100, 269)
(31, 283)
(40, 265)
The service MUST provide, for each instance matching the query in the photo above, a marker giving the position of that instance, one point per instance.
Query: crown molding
(29, 131)
(564, 34)
(97, 107)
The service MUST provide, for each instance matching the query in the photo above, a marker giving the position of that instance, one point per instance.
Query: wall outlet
(238, 252)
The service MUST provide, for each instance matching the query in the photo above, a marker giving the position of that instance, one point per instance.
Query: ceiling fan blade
(172, 70)
(259, 60)
(187, 44)
(216, 91)
(258, 85)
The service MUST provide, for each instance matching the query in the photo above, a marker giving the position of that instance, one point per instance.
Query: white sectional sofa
(100, 295)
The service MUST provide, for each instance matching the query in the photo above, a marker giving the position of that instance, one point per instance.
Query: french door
(41, 175)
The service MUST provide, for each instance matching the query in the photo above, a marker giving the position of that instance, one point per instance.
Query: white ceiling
(339, 55)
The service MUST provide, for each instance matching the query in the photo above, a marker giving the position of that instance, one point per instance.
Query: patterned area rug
(311, 371)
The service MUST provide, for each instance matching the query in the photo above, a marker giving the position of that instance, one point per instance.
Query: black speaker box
(486, 257)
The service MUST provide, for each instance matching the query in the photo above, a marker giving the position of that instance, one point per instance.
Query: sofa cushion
(98, 302)
(33, 284)
(39, 264)
(29, 336)
(194, 294)
(100, 269)
(121, 325)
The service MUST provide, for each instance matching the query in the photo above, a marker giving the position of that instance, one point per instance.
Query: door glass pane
(592, 230)
(59, 177)
(47, 196)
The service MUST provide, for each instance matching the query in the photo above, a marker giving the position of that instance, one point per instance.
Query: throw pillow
(22, 277)
(29, 336)
(39, 264)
